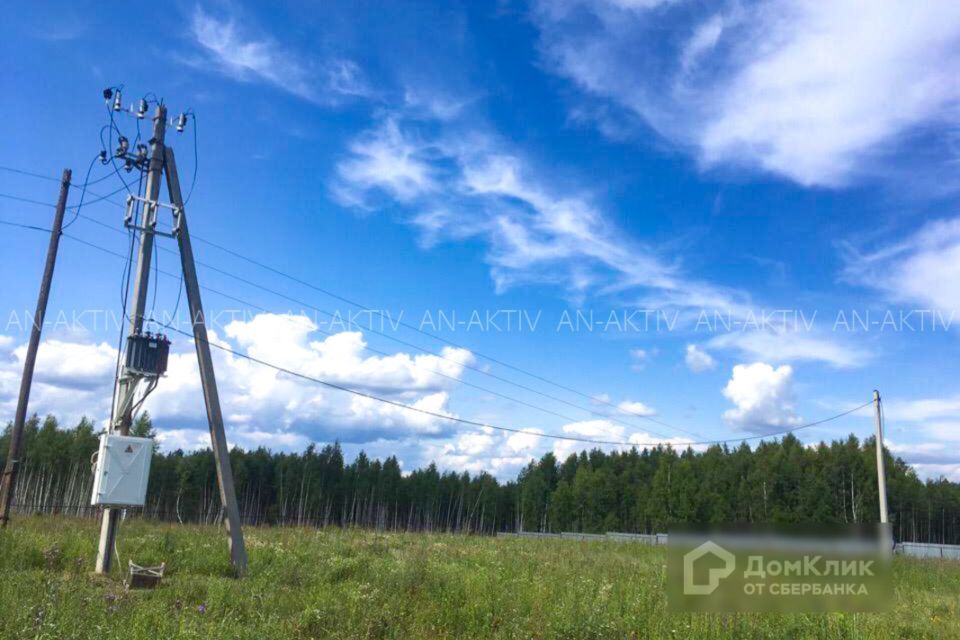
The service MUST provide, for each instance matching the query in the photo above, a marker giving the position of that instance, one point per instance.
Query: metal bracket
(152, 227)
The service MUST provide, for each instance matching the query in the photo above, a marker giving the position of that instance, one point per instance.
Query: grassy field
(305, 583)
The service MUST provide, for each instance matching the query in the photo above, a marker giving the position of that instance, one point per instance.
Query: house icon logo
(714, 574)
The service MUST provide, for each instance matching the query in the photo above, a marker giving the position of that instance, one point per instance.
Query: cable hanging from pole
(474, 423)
(385, 354)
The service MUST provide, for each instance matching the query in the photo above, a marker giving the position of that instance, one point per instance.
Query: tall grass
(332, 583)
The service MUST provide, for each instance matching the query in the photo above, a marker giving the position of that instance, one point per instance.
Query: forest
(642, 491)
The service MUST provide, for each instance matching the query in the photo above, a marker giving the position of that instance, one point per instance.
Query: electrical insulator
(142, 111)
(124, 146)
(181, 122)
(107, 94)
(128, 165)
(103, 156)
(141, 154)
(117, 102)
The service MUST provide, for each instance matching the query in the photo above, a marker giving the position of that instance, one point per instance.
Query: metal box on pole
(122, 471)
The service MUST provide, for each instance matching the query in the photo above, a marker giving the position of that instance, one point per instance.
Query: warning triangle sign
(129, 449)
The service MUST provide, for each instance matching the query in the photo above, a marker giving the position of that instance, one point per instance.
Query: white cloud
(247, 58)
(698, 360)
(634, 408)
(384, 159)
(923, 409)
(602, 429)
(704, 38)
(262, 405)
(813, 91)
(791, 345)
(263, 399)
(935, 471)
(924, 268)
(71, 379)
(520, 442)
(469, 185)
(763, 397)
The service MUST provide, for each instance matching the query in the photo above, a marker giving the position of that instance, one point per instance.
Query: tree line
(641, 491)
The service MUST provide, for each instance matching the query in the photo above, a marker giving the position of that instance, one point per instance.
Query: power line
(97, 198)
(83, 192)
(436, 337)
(366, 347)
(10, 223)
(428, 351)
(51, 178)
(475, 423)
(400, 341)
(336, 296)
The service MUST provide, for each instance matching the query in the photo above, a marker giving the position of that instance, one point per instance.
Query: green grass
(305, 583)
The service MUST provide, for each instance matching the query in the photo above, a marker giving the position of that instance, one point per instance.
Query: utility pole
(211, 398)
(125, 384)
(881, 472)
(161, 164)
(9, 481)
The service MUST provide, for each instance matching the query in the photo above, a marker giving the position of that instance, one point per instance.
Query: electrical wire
(434, 336)
(10, 223)
(52, 179)
(385, 354)
(50, 205)
(27, 200)
(474, 423)
(106, 148)
(83, 192)
(125, 292)
(336, 296)
(196, 161)
(413, 346)
(371, 349)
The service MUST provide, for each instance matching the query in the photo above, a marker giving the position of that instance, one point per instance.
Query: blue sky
(745, 172)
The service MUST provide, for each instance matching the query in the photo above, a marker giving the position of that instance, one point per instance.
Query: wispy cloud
(923, 268)
(467, 184)
(249, 58)
(698, 360)
(471, 185)
(813, 91)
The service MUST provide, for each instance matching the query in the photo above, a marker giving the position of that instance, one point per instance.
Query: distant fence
(610, 536)
(912, 549)
(927, 550)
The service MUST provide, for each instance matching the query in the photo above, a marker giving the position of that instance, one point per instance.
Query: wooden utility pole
(881, 471)
(111, 517)
(9, 482)
(211, 398)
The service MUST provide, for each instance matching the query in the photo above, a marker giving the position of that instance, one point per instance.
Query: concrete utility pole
(9, 482)
(881, 471)
(111, 517)
(162, 164)
(211, 398)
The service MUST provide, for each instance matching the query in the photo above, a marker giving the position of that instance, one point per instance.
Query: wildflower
(202, 608)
